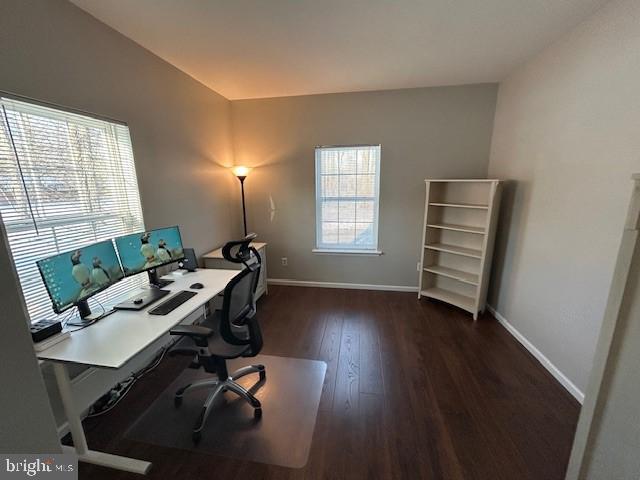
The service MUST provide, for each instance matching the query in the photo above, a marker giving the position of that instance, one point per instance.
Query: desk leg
(80, 441)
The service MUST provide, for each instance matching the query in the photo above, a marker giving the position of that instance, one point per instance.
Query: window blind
(347, 198)
(66, 180)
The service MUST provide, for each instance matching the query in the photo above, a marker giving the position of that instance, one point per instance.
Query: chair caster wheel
(196, 437)
(257, 413)
(177, 401)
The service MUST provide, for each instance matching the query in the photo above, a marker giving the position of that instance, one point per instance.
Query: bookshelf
(458, 232)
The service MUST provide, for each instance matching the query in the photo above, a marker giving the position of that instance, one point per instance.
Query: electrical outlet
(418, 267)
(285, 261)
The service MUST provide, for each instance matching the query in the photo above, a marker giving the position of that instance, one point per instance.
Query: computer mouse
(137, 301)
(197, 286)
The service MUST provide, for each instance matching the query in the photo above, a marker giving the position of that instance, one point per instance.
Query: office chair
(231, 333)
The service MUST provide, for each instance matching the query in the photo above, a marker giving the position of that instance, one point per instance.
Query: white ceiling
(269, 48)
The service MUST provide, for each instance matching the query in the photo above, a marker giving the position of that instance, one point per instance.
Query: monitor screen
(76, 275)
(147, 250)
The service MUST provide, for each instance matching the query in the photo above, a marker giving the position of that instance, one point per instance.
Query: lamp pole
(242, 172)
(244, 211)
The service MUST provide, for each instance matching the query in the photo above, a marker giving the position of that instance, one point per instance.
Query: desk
(115, 340)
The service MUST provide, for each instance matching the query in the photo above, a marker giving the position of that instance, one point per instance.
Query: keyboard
(174, 302)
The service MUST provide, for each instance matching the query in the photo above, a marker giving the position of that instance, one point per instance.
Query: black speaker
(190, 262)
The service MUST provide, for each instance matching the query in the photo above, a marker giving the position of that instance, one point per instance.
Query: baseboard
(546, 363)
(353, 286)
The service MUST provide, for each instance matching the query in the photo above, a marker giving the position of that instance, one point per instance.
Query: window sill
(330, 251)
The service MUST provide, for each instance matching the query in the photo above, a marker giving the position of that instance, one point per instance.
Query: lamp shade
(240, 171)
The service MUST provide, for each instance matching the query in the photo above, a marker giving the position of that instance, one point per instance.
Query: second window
(347, 198)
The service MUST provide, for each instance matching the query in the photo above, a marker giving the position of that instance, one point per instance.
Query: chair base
(218, 387)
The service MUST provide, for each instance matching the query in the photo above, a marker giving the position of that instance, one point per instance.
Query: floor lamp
(241, 173)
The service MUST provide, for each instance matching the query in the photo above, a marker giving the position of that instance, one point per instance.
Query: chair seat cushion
(217, 346)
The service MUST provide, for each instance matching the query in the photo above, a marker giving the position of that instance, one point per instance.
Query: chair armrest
(193, 331)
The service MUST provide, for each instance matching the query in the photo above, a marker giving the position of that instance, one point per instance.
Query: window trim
(347, 252)
(62, 109)
(323, 249)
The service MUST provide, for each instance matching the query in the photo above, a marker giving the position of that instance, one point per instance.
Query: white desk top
(114, 340)
(217, 253)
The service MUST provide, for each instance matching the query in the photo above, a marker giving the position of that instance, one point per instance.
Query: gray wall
(26, 421)
(53, 51)
(566, 136)
(180, 129)
(427, 132)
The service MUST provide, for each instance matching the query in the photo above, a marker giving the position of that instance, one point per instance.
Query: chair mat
(290, 397)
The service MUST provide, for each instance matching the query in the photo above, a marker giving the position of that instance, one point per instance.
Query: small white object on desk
(181, 272)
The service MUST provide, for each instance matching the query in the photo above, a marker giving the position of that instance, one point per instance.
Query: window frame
(118, 136)
(321, 248)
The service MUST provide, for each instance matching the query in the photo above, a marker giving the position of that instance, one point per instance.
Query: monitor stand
(86, 317)
(142, 299)
(148, 296)
(155, 281)
(84, 311)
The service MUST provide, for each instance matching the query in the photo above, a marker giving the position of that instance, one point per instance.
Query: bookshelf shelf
(463, 301)
(460, 275)
(458, 228)
(454, 249)
(460, 205)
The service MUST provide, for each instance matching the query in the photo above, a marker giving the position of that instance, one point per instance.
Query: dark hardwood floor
(414, 390)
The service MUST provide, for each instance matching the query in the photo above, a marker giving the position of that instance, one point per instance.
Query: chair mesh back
(239, 308)
(241, 296)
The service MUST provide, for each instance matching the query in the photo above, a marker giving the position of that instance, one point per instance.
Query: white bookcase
(457, 241)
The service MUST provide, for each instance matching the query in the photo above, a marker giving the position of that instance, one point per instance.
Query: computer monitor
(146, 251)
(74, 276)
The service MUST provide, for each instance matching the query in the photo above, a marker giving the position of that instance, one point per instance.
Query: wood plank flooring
(414, 390)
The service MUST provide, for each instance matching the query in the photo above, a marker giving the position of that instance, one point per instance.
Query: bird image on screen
(147, 250)
(76, 275)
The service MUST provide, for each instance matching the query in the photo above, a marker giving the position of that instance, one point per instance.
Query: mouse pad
(290, 397)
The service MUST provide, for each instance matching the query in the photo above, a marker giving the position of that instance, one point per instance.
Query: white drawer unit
(215, 259)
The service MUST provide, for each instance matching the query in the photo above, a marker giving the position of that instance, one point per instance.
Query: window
(347, 197)
(66, 180)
